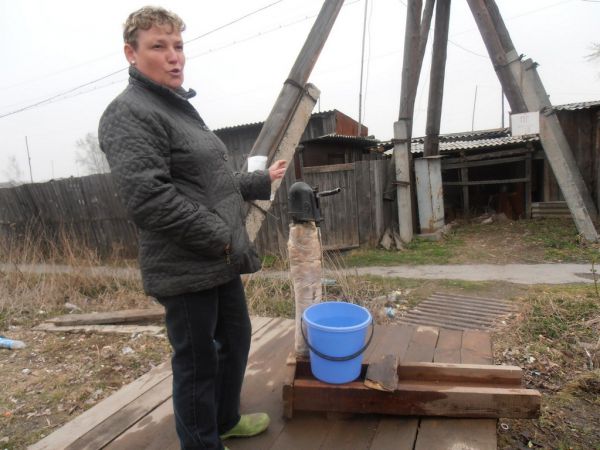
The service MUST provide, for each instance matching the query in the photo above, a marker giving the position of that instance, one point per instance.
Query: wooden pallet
(422, 389)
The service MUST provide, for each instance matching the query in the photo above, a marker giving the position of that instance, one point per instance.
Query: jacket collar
(137, 77)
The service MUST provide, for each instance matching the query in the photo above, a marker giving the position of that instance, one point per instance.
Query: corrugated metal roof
(339, 138)
(471, 140)
(469, 135)
(417, 147)
(255, 124)
(577, 106)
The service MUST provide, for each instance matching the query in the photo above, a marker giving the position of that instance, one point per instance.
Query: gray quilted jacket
(172, 174)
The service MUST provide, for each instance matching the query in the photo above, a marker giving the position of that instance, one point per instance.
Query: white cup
(257, 163)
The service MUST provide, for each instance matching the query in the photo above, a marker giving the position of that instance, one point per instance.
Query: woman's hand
(277, 170)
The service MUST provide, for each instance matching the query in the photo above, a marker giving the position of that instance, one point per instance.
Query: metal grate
(458, 312)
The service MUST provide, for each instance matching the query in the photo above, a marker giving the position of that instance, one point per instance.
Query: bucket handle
(336, 358)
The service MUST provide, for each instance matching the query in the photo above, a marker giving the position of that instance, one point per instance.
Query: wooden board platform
(140, 415)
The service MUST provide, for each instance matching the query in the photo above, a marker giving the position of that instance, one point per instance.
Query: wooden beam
(488, 155)
(258, 210)
(277, 123)
(484, 182)
(464, 177)
(485, 162)
(528, 187)
(436, 79)
(418, 398)
(461, 373)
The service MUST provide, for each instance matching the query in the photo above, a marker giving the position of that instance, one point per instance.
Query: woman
(172, 174)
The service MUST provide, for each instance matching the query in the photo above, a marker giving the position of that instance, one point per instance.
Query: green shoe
(249, 425)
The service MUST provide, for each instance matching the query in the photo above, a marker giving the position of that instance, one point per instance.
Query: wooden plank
(484, 182)
(382, 374)
(414, 398)
(422, 345)
(263, 383)
(460, 373)
(397, 433)
(457, 434)
(485, 162)
(141, 393)
(365, 224)
(448, 346)
(306, 431)
(488, 155)
(329, 168)
(156, 431)
(111, 317)
(89, 419)
(441, 434)
(259, 383)
(476, 347)
(350, 434)
(123, 419)
(528, 188)
(109, 329)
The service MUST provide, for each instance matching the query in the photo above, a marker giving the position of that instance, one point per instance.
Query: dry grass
(556, 339)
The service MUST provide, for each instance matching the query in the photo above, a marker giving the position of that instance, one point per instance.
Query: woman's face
(159, 55)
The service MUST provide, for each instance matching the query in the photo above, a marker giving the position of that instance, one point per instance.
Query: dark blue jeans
(210, 334)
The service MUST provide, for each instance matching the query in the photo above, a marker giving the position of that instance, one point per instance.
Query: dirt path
(513, 273)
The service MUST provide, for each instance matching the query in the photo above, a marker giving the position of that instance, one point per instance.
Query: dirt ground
(60, 375)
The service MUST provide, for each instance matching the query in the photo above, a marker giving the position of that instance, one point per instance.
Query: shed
(493, 170)
(240, 139)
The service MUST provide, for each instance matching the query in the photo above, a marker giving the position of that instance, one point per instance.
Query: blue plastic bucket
(336, 340)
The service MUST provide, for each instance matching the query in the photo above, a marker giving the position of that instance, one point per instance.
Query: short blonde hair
(146, 17)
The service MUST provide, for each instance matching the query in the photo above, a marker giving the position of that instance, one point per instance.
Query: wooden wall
(582, 130)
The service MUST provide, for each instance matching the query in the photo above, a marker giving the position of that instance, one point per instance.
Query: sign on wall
(525, 123)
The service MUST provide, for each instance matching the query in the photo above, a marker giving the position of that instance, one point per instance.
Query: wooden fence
(89, 213)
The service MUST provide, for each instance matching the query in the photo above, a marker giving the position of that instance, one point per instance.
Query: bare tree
(89, 156)
(595, 51)
(12, 171)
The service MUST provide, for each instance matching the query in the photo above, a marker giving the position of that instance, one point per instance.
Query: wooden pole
(28, 159)
(436, 79)
(274, 127)
(525, 92)
(258, 209)
(403, 127)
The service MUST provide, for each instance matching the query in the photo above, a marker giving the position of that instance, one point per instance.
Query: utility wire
(61, 94)
(233, 21)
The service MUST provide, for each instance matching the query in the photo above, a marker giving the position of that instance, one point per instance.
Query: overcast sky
(51, 48)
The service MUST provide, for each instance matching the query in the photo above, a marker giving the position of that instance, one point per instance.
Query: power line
(234, 21)
(62, 94)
